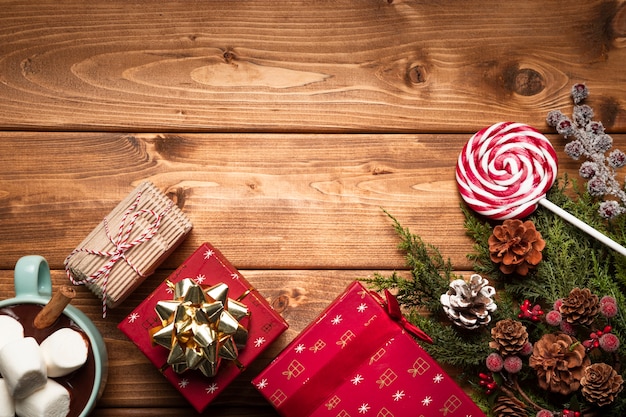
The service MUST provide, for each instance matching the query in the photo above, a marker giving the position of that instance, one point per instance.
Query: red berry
(494, 362)
(557, 304)
(554, 318)
(607, 299)
(608, 310)
(567, 328)
(609, 342)
(527, 349)
(513, 364)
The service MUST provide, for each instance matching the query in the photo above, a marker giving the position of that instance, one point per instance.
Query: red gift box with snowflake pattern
(357, 360)
(206, 267)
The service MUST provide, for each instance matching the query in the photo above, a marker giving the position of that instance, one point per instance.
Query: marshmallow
(7, 405)
(64, 351)
(10, 329)
(22, 367)
(53, 400)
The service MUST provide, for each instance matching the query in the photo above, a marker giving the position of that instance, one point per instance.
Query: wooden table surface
(281, 128)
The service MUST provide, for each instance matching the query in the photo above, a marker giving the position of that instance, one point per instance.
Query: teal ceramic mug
(33, 286)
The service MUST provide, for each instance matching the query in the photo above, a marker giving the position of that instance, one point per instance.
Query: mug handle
(32, 277)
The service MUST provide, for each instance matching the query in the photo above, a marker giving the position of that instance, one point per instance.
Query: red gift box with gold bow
(360, 358)
(203, 326)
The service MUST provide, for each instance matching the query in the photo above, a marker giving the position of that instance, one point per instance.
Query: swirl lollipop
(504, 171)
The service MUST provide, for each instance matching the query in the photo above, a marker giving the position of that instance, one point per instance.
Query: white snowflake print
(212, 388)
(398, 395)
(133, 317)
(358, 378)
(200, 279)
(234, 276)
(337, 319)
(208, 254)
(300, 348)
(183, 383)
(361, 308)
(259, 341)
(438, 378)
(364, 408)
(427, 401)
(262, 383)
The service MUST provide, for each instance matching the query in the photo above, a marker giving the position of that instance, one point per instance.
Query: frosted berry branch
(589, 140)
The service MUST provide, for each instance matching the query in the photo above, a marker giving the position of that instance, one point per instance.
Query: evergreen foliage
(570, 259)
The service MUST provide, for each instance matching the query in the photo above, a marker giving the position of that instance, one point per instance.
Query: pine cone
(506, 406)
(516, 246)
(469, 304)
(580, 307)
(509, 337)
(559, 361)
(601, 384)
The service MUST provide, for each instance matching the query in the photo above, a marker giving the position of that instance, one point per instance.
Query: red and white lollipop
(504, 171)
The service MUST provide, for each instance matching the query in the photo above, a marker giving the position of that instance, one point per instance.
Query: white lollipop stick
(505, 171)
(582, 226)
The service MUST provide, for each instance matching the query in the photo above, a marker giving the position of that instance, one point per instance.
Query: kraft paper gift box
(208, 268)
(356, 360)
(128, 245)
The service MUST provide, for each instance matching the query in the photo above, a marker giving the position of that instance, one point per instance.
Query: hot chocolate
(79, 383)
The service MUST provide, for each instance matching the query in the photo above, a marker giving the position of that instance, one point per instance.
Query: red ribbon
(393, 309)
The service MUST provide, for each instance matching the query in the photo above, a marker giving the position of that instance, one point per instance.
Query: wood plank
(267, 201)
(341, 65)
(300, 296)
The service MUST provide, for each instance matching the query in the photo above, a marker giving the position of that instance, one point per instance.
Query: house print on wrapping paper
(206, 267)
(364, 364)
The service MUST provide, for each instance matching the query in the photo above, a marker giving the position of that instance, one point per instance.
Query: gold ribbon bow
(200, 327)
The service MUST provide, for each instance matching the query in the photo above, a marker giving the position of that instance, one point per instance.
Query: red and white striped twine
(122, 245)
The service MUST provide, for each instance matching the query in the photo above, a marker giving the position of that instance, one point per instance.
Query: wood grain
(299, 214)
(267, 201)
(283, 129)
(135, 386)
(341, 65)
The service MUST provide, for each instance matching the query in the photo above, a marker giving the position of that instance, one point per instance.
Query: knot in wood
(417, 74)
(229, 56)
(525, 81)
(280, 303)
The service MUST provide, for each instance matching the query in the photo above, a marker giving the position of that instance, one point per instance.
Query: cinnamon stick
(53, 310)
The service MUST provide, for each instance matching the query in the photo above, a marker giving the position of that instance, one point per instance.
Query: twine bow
(393, 309)
(122, 243)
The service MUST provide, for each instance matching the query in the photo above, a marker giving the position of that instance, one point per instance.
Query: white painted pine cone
(469, 304)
